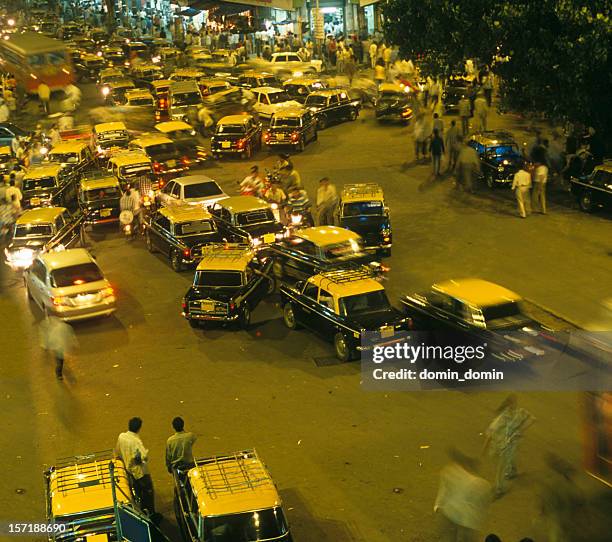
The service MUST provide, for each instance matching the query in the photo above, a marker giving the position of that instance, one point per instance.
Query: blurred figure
(436, 147)
(481, 111)
(73, 98)
(58, 338)
(4, 111)
(379, 72)
(420, 135)
(292, 177)
(452, 142)
(465, 114)
(463, 497)
(327, 198)
(468, 166)
(539, 181)
(65, 122)
(373, 53)
(44, 95)
(503, 437)
(252, 184)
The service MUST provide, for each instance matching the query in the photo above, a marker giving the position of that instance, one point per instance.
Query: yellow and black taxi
(7, 160)
(247, 219)
(90, 497)
(180, 233)
(212, 85)
(594, 190)
(331, 106)
(500, 157)
(472, 311)
(108, 136)
(291, 127)
(362, 209)
(187, 74)
(88, 67)
(114, 90)
(99, 197)
(139, 97)
(230, 281)
(76, 156)
(108, 75)
(394, 103)
(38, 230)
(48, 184)
(164, 155)
(309, 251)
(186, 140)
(253, 79)
(346, 305)
(300, 87)
(132, 167)
(160, 90)
(146, 73)
(113, 55)
(229, 497)
(236, 134)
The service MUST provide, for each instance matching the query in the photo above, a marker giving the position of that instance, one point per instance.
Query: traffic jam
(140, 166)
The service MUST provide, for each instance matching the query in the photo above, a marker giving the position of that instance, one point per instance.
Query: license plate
(280, 136)
(226, 144)
(387, 331)
(207, 306)
(171, 163)
(35, 201)
(269, 238)
(105, 212)
(85, 299)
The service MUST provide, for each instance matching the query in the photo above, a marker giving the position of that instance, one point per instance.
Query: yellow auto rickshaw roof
(185, 213)
(68, 146)
(110, 127)
(242, 204)
(43, 170)
(40, 215)
(233, 484)
(347, 282)
(327, 235)
(130, 158)
(152, 139)
(5, 150)
(362, 192)
(172, 126)
(84, 487)
(476, 292)
(99, 183)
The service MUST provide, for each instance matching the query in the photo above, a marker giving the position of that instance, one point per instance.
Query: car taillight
(295, 136)
(184, 305)
(267, 136)
(157, 166)
(185, 160)
(186, 253)
(57, 301)
(232, 306)
(107, 292)
(240, 143)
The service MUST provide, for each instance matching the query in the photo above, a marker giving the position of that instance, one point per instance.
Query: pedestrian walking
(350, 67)
(503, 437)
(452, 143)
(179, 447)
(463, 497)
(434, 92)
(44, 95)
(468, 166)
(379, 72)
(58, 338)
(420, 140)
(481, 111)
(438, 124)
(487, 87)
(135, 457)
(539, 180)
(13, 192)
(327, 199)
(465, 114)
(436, 147)
(521, 184)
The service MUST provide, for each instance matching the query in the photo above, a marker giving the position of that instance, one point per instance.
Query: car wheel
(586, 201)
(194, 324)
(289, 316)
(245, 317)
(278, 270)
(489, 180)
(322, 122)
(353, 115)
(149, 242)
(343, 350)
(175, 261)
(271, 286)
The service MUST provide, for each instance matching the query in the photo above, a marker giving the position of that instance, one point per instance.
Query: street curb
(555, 313)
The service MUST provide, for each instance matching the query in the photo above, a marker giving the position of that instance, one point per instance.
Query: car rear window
(360, 208)
(195, 228)
(230, 129)
(161, 149)
(255, 217)
(344, 250)
(39, 184)
(75, 275)
(102, 193)
(32, 230)
(219, 279)
(291, 122)
(202, 190)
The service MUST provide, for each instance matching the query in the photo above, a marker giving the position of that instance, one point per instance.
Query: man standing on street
(465, 113)
(179, 447)
(58, 338)
(327, 198)
(521, 184)
(452, 142)
(135, 456)
(436, 147)
(438, 124)
(481, 110)
(540, 177)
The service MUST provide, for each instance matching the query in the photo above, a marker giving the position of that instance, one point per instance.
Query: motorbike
(299, 217)
(126, 220)
(147, 208)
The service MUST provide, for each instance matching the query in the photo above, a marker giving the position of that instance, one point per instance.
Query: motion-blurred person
(468, 166)
(434, 92)
(503, 437)
(373, 54)
(327, 199)
(539, 181)
(73, 98)
(292, 177)
(13, 194)
(465, 113)
(521, 184)
(252, 184)
(452, 142)
(44, 95)
(436, 148)
(379, 72)
(65, 122)
(4, 111)
(58, 338)
(438, 124)
(463, 497)
(179, 447)
(481, 111)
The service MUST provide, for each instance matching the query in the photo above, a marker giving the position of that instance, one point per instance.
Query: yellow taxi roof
(343, 284)
(390, 87)
(42, 214)
(477, 292)
(225, 258)
(5, 150)
(235, 119)
(327, 235)
(172, 125)
(607, 167)
(267, 90)
(95, 184)
(44, 170)
(83, 487)
(153, 139)
(302, 80)
(185, 213)
(138, 93)
(130, 158)
(189, 72)
(362, 192)
(68, 146)
(241, 204)
(232, 484)
(110, 127)
(161, 83)
(290, 112)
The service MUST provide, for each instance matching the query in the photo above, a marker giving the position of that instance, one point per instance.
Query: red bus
(34, 59)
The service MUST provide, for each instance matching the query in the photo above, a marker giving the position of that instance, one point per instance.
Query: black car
(347, 306)
(452, 95)
(257, 79)
(300, 87)
(393, 104)
(332, 106)
(499, 156)
(88, 67)
(9, 131)
(236, 134)
(594, 190)
(114, 91)
(181, 233)
(291, 127)
(312, 250)
(229, 283)
(99, 197)
(247, 219)
(362, 210)
(48, 185)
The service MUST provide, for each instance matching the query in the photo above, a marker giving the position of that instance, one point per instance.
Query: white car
(270, 100)
(191, 190)
(293, 63)
(70, 285)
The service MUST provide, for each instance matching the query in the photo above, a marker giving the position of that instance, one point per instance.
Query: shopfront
(370, 17)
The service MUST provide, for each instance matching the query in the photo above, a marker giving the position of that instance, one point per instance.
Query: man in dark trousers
(58, 338)
(436, 147)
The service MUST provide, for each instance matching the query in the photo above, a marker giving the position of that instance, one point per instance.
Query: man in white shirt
(521, 184)
(538, 194)
(327, 198)
(11, 191)
(135, 456)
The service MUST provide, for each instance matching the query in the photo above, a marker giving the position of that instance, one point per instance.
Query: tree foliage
(559, 51)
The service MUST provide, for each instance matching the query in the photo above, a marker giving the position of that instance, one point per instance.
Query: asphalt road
(350, 464)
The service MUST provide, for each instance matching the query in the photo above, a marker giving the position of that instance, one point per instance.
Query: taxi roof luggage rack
(232, 473)
(348, 274)
(87, 465)
(226, 250)
(363, 188)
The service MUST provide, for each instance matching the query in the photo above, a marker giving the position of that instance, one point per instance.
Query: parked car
(291, 127)
(269, 100)
(594, 190)
(99, 197)
(48, 185)
(74, 156)
(500, 157)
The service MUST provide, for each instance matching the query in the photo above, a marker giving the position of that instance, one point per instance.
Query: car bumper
(381, 342)
(282, 143)
(101, 221)
(74, 314)
(228, 151)
(211, 317)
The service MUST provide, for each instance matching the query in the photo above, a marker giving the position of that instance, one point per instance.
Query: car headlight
(500, 168)
(105, 91)
(22, 257)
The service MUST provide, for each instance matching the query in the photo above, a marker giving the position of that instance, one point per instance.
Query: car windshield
(248, 526)
(202, 190)
(230, 129)
(75, 275)
(112, 79)
(316, 100)
(341, 251)
(64, 158)
(187, 98)
(360, 208)
(98, 194)
(161, 149)
(502, 150)
(194, 228)
(255, 217)
(135, 170)
(33, 230)
(286, 122)
(278, 97)
(39, 184)
(363, 303)
(219, 279)
(140, 101)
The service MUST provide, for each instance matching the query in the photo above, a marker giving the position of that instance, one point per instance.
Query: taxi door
(325, 322)
(68, 230)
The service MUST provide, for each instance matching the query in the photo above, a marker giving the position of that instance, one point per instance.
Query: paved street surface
(350, 465)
